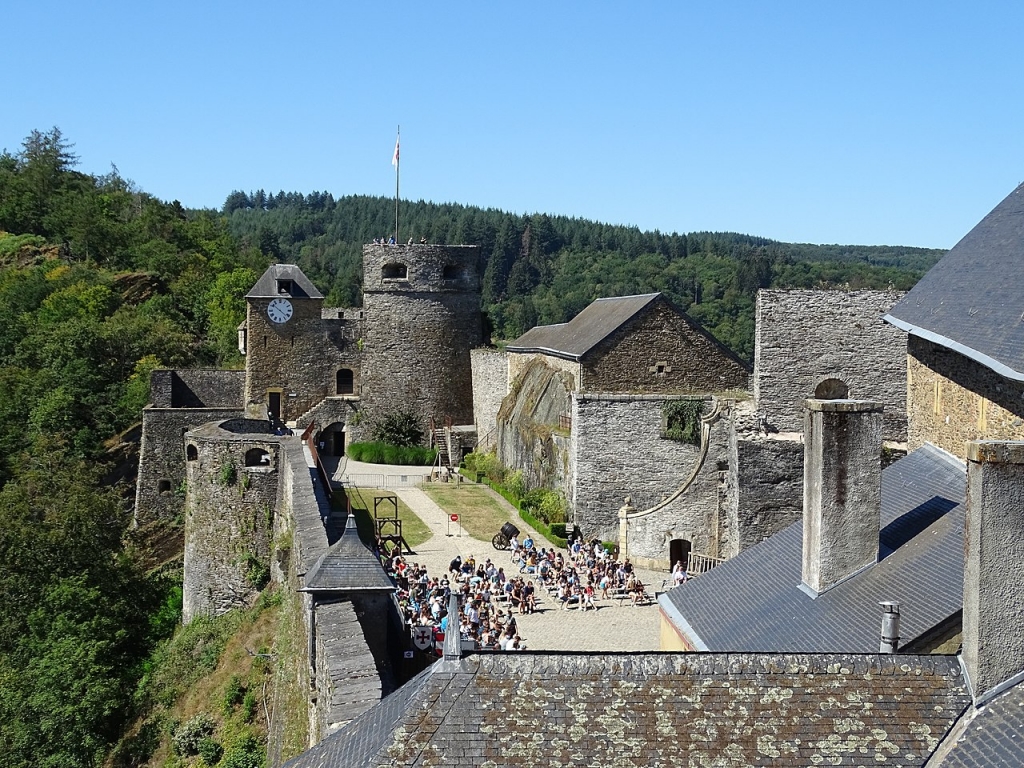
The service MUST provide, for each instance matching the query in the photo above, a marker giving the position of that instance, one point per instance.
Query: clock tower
(284, 345)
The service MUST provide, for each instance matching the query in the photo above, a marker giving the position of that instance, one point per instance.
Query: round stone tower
(422, 305)
(231, 491)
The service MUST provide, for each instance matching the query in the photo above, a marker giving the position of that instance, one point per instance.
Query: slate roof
(657, 710)
(585, 331)
(266, 286)
(348, 566)
(972, 300)
(753, 601)
(991, 735)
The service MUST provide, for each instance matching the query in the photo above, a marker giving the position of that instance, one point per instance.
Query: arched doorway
(332, 439)
(832, 389)
(679, 551)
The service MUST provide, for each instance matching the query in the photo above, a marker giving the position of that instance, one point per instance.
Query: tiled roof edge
(943, 341)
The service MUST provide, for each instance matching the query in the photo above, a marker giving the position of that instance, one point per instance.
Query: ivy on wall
(681, 420)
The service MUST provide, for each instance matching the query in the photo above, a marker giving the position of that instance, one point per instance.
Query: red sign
(453, 518)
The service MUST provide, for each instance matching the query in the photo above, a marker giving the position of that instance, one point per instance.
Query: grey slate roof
(753, 602)
(655, 711)
(992, 735)
(972, 300)
(348, 566)
(589, 328)
(266, 286)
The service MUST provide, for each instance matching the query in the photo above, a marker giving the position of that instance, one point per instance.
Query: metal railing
(374, 480)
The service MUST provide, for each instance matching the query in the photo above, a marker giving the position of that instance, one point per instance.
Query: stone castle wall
(419, 331)
(618, 451)
(805, 337)
(162, 458)
(661, 352)
(196, 388)
(229, 519)
(490, 385)
(951, 400)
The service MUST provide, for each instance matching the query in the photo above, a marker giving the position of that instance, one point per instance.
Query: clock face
(279, 310)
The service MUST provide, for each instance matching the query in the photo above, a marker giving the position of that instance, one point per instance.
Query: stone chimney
(842, 489)
(993, 639)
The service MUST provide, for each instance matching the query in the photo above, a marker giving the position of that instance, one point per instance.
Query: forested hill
(541, 269)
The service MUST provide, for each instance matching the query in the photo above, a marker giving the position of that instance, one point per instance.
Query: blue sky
(860, 123)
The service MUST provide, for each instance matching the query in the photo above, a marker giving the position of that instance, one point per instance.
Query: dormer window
(394, 272)
(284, 287)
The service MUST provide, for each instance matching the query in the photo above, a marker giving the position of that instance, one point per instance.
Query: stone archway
(332, 439)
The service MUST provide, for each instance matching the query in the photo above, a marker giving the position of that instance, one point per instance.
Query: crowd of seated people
(424, 601)
(589, 573)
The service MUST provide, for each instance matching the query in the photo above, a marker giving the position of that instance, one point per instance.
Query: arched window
(394, 272)
(191, 452)
(346, 382)
(257, 457)
(832, 389)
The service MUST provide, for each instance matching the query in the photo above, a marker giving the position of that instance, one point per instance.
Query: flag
(394, 159)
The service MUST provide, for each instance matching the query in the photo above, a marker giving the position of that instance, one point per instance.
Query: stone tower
(422, 305)
(295, 357)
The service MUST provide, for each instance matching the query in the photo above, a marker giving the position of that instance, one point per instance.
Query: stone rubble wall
(490, 385)
(951, 400)
(662, 351)
(619, 452)
(162, 458)
(804, 337)
(196, 388)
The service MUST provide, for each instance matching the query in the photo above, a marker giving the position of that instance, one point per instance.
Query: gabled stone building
(965, 351)
(591, 411)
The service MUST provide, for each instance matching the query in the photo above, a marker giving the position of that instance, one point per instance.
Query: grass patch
(480, 514)
(414, 530)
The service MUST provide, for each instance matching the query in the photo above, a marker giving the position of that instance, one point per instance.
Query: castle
(591, 407)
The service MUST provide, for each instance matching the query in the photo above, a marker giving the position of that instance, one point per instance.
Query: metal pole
(398, 173)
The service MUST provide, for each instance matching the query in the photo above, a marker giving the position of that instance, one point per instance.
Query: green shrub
(558, 530)
(247, 752)
(401, 429)
(682, 420)
(257, 573)
(248, 706)
(228, 474)
(233, 693)
(210, 751)
(515, 484)
(187, 736)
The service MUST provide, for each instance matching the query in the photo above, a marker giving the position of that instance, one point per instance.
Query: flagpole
(398, 165)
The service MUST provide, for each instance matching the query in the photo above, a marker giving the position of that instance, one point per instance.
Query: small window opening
(345, 382)
(284, 286)
(257, 457)
(191, 453)
(452, 272)
(394, 272)
(163, 486)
